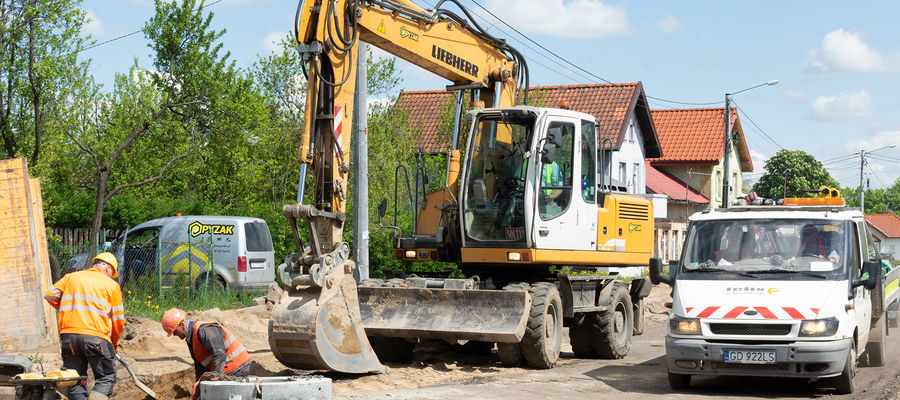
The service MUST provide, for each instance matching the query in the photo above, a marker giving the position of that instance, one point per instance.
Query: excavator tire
(543, 334)
(612, 330)
(580, 335)
(391, 349)
(510, 353)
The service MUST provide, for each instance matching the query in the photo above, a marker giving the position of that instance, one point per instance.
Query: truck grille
(751, 329)
(639, 212)
(721, 365)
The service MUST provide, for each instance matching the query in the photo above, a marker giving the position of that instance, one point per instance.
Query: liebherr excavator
(511, 208)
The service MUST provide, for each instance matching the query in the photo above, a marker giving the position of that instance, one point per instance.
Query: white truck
(794, 290)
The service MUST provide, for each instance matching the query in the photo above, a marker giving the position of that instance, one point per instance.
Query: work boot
(97, 396)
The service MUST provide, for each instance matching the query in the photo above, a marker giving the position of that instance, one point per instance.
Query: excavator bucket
(454, 314)
(318, 326)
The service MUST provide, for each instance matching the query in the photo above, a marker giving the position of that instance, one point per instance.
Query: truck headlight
(684, 326)
(819, 327)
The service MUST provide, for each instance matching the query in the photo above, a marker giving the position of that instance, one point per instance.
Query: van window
(258, 238)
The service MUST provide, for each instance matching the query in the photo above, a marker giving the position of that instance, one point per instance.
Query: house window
(634, 178)
(622, 168)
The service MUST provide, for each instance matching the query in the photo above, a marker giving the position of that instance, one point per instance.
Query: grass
(150, 304)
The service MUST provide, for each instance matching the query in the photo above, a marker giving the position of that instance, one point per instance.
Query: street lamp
(726, 162)
(862, 164)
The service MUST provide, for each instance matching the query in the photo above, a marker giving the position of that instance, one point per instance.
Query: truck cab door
(561, 218)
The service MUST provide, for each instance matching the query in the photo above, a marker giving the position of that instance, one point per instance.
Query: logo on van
(197, 229)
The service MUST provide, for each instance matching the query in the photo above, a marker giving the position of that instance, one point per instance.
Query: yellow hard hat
(110, 259)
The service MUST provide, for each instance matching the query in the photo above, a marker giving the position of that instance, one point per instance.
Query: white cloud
(759, 160)
(844, 105)
(845, 51)
(271, 44)
(573, 19)
(668, 24)
(795, 95)
(93, 25)
(880, 139)
(881, 170)
(224, 3)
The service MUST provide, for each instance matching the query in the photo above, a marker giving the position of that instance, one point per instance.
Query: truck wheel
(679, 381)
(614, 326)
(846, 382)
(543, 333)
(580, 335)
(875, 354)
(638, 318)
(510, 354)
(391, 349)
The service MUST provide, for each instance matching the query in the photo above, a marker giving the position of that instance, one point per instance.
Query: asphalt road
(642, 375)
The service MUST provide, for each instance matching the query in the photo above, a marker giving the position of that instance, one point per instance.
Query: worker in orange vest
(213, 348)
(91, 319)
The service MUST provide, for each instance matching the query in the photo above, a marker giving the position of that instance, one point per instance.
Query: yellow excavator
(526, 196)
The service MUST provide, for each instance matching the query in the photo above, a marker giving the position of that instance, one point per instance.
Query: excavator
(524, 197)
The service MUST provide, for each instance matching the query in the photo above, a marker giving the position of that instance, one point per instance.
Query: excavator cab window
(495, 192)
(556, 177)
(588, 158)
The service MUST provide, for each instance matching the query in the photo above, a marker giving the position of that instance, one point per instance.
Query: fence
(148, 268)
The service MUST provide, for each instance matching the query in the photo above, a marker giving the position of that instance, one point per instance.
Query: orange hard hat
(171, 319)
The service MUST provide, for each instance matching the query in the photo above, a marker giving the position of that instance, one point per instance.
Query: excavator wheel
(580, 335)
(510, 353)
(543, 334)
(612, 329)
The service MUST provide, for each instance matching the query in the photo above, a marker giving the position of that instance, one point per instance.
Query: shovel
(139, 384)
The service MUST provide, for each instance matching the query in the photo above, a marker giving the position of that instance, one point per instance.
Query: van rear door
(259, 252)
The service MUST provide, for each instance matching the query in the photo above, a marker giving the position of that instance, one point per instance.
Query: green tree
(804, 172)
(39, 44)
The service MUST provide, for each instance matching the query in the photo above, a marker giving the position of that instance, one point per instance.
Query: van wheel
(679, 381)
(846, 382)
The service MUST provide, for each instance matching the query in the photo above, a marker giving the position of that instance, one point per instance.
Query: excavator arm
(317, 323)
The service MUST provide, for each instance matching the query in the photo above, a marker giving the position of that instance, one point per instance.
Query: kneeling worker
(91, 320)
(212, 347)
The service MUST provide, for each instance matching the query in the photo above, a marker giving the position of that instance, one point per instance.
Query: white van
(242, 256)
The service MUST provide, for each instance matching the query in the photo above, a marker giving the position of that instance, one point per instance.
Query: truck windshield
(768, 249)
(495, 185)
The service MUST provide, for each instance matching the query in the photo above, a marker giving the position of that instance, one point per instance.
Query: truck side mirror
(548, 151)
(382, 209)
(871, 276)
(656, 275)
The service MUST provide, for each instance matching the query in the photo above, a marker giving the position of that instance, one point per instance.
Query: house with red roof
(886, 228)
(693, 146)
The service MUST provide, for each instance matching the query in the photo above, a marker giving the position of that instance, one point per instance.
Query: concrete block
(272, 388)
(274, 293)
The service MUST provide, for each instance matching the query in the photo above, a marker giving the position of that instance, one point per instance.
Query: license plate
(258, 264)
(750, 356)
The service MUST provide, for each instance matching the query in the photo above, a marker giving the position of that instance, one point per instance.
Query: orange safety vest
(235, 353)
(89, 303)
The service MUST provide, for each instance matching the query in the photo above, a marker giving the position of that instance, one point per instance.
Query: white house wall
(631, 152)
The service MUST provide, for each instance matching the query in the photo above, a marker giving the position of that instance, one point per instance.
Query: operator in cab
(216, 352)
(91, 320)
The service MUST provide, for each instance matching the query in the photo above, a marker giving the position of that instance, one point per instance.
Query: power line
(839, 158)
(578, 67)
(130, 34)
(875, 175)
(757, 126)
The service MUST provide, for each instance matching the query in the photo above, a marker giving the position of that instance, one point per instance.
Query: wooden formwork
(27, 322)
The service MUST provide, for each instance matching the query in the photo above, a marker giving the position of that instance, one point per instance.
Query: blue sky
(838, 63)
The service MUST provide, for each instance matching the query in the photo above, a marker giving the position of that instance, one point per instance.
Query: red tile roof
(662, 182)
(888, 224)
(696, 136)
(426, 117)
(612, 104)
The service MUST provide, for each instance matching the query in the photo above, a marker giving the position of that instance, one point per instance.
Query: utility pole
(862, 190)
(360, 160)
(725, 162)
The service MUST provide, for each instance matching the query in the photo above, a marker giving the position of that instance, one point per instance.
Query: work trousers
(79, 351)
